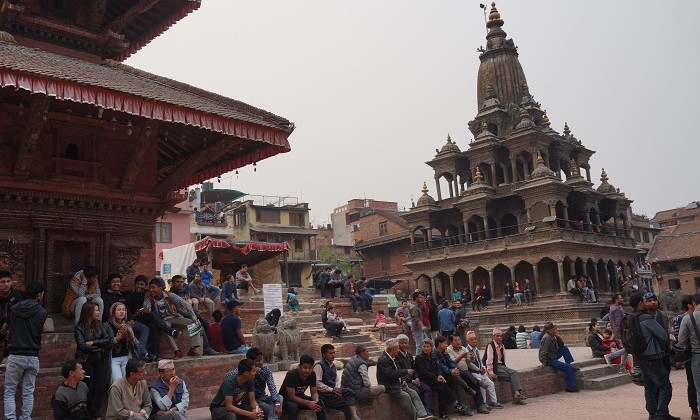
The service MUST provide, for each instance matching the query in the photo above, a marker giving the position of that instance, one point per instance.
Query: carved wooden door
(68, 258)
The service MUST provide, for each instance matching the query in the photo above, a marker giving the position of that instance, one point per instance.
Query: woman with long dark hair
(94, 342)
(125, 342)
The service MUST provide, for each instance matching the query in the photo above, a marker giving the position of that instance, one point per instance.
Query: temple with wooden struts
(93, 151)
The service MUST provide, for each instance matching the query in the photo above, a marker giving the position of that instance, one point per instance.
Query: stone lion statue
(264, 338)
(670, 301)
(287, 339)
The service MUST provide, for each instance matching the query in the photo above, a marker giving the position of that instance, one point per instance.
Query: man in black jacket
(8, 297)
(26, 322)
(389, 374)
(430, 373)
(404, 360)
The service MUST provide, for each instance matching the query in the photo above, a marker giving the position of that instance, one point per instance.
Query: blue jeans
(506, 298)
(24, 369)
(119, 367)
(241, 350)
(215, 291)
(657, 386)
(565, 367)
(419, 336)
(143, 332)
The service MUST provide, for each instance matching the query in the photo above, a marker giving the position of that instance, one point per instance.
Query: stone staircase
(599, 377)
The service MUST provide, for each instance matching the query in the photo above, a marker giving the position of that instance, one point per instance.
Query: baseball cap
(649, 295)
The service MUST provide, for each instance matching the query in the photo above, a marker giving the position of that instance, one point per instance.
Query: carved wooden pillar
(562, 284)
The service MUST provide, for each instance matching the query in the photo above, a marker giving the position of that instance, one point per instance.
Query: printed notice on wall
(272, 293)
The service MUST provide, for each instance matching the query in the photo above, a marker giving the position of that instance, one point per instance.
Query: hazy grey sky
(375, 86)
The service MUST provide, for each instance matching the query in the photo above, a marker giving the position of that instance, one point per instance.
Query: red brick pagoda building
(92, 151)
(518, 202)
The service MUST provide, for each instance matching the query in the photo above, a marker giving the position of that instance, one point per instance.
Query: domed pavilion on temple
(519, 201)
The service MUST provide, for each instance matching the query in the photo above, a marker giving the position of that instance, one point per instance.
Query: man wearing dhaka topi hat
(495, 361)
(169, 393)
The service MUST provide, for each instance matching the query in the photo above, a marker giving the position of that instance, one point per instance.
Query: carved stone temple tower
(519, 201)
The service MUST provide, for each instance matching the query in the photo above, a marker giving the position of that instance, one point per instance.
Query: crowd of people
(112, 350)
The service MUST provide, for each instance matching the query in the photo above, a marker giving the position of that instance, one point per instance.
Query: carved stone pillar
(452, 286)
(512, 276)
(487, 232)
(430, 238)
(456, 184)
(452, 190)
(514, 168)
(536, 279)
(437, 188)
(466, 231)
(494, 182)
(470, 281)
(572, 268)
(499, 232)
(562, 284)
(433, 280)
(491, 285)
(566, 213)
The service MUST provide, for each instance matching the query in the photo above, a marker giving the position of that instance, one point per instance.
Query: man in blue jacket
(657, 385)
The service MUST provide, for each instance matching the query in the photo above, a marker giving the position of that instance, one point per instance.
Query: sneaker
(571, 389)
(519, 401)
(177, 355)
(210, 352)
(192, 352)
(608, 360)
(495, 405)
(148, 358)
(467, 411)
(483, 409)
(471, 391)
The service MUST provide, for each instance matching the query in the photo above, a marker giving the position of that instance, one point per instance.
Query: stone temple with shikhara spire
(518, 202)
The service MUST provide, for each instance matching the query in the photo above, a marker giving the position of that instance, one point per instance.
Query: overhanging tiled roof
(113, 85)
(369, 243)
(680, 244)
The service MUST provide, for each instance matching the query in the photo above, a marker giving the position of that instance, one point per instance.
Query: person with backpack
(688, 333)
(644, 338)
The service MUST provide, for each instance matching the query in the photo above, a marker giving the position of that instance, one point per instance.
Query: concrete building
(518, 202)
(344, 218)
(172, 230)
(277, 219)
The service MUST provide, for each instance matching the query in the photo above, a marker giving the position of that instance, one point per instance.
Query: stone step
(606, 382)
(596, 371)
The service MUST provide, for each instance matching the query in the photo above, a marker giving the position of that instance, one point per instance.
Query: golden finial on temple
(425, 188)
(494, 17)
(479, 176)
(604, 176)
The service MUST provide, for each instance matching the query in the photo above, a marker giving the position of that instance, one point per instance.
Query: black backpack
(632, 338)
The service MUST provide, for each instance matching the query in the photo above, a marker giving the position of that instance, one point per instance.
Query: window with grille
(239, 218)
(267, 215)
(296, 219)
(164, 232)
(383, 229)
(645, 235)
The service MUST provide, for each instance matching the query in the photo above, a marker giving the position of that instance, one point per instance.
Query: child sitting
(292, 301)
(380, 321)
(612, 345)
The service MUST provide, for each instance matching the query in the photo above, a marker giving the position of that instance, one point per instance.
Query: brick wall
(203, 377)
